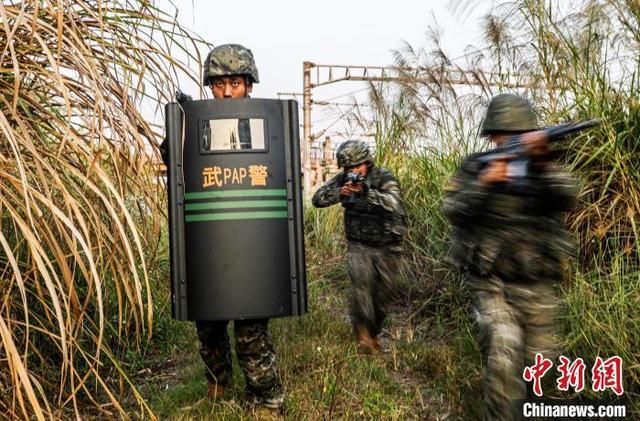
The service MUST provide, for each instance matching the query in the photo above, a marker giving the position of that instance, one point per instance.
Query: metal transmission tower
(316, 75)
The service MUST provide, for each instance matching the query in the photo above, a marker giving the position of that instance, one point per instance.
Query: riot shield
(235, 209)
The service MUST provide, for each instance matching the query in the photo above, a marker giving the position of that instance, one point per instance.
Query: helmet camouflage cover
(228, 60)
(352, 153)
(509, 113)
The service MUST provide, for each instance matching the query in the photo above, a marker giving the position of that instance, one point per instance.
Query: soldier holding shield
(230, 70)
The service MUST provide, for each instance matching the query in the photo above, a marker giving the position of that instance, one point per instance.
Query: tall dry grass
(80, 208)
(582, 62)
(573, 63)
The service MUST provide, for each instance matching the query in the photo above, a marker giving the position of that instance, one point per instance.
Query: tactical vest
(371, 224)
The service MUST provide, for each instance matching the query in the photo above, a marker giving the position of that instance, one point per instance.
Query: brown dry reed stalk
(80, 206)
(574, 60)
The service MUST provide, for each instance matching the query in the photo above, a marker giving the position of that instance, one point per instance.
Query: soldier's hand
(357, 188)
(348, 189)
(537, 142)
(496, 172)
(182, 97)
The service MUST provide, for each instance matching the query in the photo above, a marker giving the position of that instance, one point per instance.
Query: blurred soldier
(509, 244)
(230, 70)
(374, 226)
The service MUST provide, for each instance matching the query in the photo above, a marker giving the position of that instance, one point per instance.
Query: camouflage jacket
(520, 237)
(375, 217)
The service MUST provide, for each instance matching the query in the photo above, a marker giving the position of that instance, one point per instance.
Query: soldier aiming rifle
(374, 226)
(507, 208)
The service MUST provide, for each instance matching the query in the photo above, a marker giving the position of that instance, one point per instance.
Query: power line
(326, 74)
(340, 104)
(347, 94)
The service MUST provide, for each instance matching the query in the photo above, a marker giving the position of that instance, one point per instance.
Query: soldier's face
(361, 169)
(230, 87)
(499, 138)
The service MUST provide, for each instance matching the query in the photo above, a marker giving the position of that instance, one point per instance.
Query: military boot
(215, 391)
(365, 341)
(376, 345)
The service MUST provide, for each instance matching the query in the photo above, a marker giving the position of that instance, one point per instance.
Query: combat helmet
(228, 60)
(352, 153)
(509, 113)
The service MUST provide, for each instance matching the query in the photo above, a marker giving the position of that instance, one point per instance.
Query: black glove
(182, 97)
(164, 152)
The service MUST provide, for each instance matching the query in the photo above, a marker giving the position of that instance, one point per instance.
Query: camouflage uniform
(374, 227)
(255, 352)
(510, 247)
(255, 356)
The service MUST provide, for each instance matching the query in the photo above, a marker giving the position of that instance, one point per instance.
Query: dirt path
(324, 374)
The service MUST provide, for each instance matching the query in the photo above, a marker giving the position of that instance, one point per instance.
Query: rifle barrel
(562, 130)
(514, 146)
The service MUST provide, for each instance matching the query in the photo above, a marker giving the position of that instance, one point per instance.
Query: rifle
(516, 152)
(354, 178)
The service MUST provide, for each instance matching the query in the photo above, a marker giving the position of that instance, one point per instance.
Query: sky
(284, 33)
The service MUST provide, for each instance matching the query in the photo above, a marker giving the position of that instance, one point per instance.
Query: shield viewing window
(233, 135)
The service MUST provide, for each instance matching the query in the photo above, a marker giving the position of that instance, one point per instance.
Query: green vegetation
(85, 324)
(574, 66)
(80, 209)
(324, 374)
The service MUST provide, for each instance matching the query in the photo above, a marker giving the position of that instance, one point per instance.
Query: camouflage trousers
(515, 321)
(256, 356)
(372, 271)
